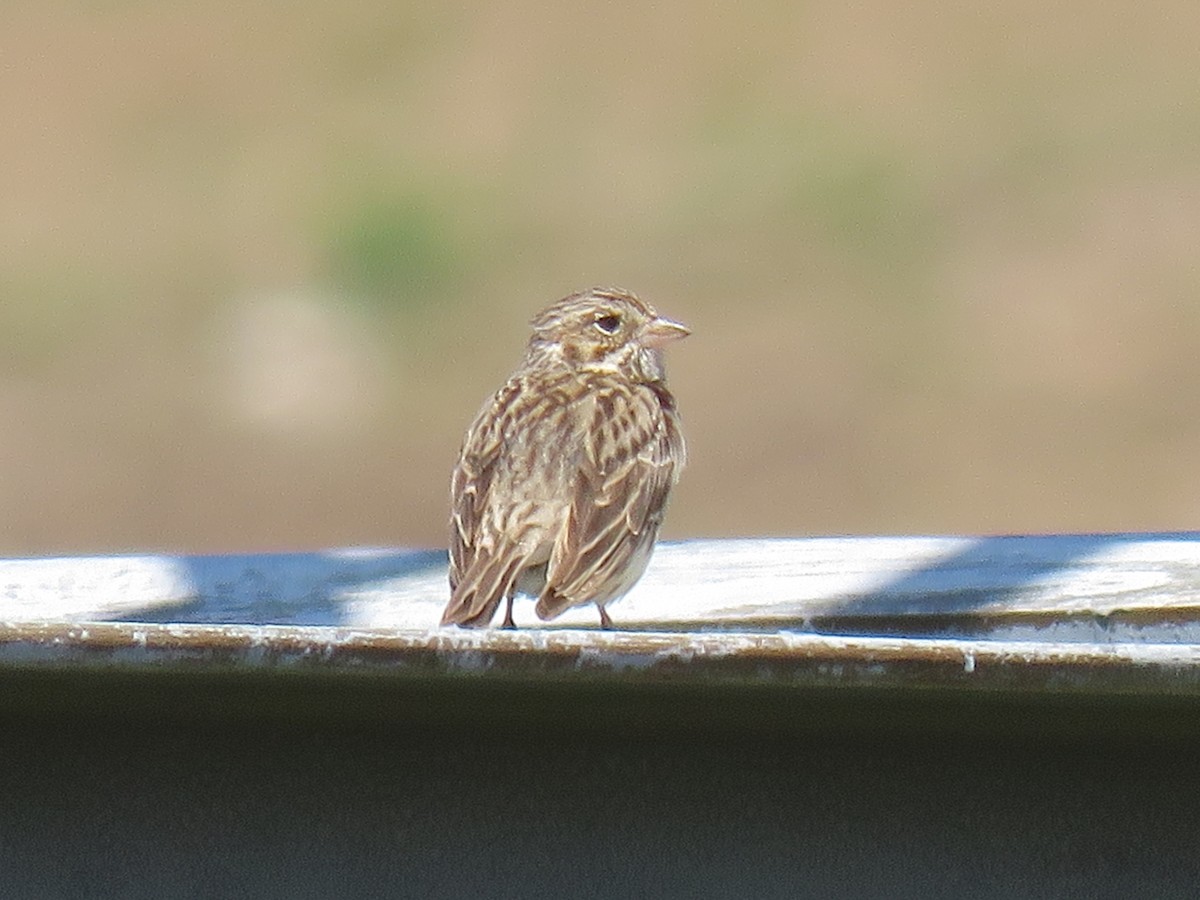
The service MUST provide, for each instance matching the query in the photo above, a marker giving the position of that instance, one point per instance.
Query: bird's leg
(605, 622)
(508, 619)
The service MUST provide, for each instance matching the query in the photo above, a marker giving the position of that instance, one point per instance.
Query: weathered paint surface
(1092, 613)
(730, 658)
(734, 584)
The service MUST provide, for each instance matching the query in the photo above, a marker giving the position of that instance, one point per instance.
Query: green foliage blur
(262, 262)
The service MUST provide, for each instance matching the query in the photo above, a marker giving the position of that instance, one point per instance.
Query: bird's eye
(609, 324)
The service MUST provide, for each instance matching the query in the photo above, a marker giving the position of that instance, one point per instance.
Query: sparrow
(563, 477)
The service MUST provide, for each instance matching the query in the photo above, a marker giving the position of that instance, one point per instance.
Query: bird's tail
(488, 580)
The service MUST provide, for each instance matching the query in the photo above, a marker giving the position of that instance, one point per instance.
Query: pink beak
(661, 331)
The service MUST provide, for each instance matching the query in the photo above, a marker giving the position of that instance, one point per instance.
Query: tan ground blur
(262, 261)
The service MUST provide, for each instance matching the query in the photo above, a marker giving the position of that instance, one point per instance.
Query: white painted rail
(704, 585)
(1092, 612)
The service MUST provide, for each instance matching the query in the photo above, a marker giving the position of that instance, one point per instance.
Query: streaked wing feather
(477, 578)
(471, 484)
(507, 496)
(633, 453)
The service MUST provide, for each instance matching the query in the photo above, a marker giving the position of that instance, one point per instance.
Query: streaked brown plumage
(563, 477)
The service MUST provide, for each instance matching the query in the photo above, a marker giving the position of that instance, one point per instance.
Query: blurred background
(262, 261)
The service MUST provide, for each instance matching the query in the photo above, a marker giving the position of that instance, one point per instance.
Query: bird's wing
(507, 496)
(479, 575)
(632, 454)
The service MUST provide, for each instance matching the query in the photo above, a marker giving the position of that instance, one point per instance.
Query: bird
(564, 474)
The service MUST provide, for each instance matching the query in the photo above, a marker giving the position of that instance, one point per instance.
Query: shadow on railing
(910, 586)
(292, 588)
(964, 594)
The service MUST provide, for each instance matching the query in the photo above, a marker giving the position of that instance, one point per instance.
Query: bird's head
(605, 330)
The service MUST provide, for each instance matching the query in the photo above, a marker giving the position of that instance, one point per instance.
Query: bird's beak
(661, 331)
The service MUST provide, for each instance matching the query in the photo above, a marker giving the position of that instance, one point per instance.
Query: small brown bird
(563, 476)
